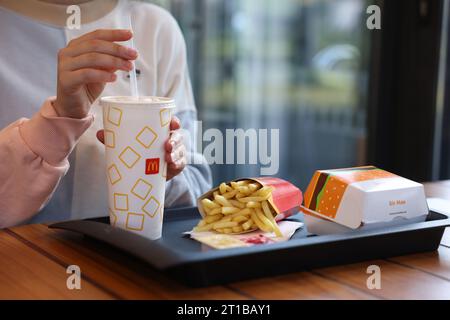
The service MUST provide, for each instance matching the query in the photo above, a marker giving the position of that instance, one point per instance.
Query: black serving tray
(197, 265)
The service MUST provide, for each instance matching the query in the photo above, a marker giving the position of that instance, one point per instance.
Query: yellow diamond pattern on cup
(135, 221)
(164, 117)
(129, 157)
(114, 174)
(112, 218)
(115, 116)
(151, 207)
(121, 201)
(110, 139)
(141, 189)
(146, 137)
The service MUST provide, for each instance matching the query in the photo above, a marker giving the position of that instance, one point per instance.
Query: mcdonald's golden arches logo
(152, 166)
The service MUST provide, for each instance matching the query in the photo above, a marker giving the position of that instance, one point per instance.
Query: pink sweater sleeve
(33, 157)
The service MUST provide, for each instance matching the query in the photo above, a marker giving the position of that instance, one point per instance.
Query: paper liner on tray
(284, 201)
(256, 237)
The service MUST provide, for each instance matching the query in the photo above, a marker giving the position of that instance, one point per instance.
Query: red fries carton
(286, 198)
(284, 201)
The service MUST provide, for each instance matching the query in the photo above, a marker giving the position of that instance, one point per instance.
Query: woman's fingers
(101, 136)
(175, 168)
(85, 65)
(175, 123)
(104, 34)
(177, 154)
(96, 61)
(101, 46)
(175, 139)
(175, 150)
(83, 76)
(177, 162)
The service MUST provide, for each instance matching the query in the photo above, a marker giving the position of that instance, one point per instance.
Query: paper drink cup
(136, 130)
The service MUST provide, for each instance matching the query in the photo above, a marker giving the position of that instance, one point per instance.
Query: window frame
(403, 87)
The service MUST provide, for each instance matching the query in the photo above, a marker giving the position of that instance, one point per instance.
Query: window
(297, 66)
(441, 163)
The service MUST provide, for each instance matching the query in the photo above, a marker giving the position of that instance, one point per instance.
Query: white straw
(133, 78)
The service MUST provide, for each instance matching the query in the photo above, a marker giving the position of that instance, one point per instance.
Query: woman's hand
(175, 150)
(86, 65)
(174, 146)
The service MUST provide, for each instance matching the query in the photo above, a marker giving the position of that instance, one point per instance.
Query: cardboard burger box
(284, 201)
(367, 197)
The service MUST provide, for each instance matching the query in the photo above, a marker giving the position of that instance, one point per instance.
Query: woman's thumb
(101, 136)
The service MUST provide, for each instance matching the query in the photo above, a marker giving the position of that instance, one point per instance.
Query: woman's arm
(33, 157)
(34, 152)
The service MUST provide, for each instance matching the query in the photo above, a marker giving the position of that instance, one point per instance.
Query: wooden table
(33, 262)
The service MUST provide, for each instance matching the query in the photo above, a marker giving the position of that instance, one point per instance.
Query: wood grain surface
(34, 260)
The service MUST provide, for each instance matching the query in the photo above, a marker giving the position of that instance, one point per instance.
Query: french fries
(237, 207)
